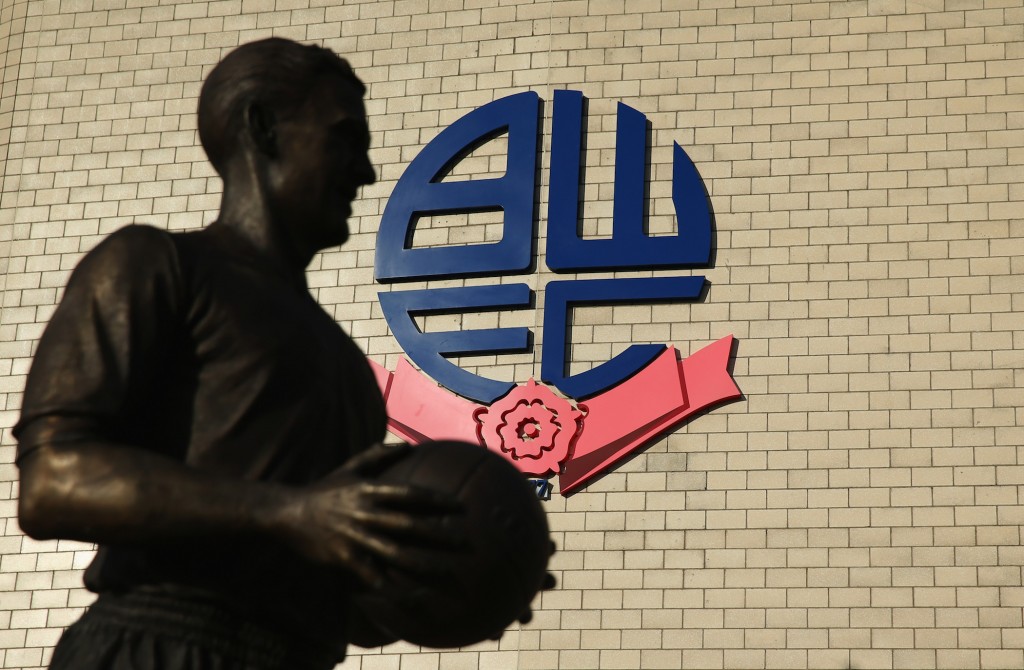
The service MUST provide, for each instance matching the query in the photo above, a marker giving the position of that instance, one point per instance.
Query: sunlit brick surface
(860, 507)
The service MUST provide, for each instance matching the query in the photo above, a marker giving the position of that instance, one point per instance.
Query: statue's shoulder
(136, 245)
(135, 251)
(138, 238)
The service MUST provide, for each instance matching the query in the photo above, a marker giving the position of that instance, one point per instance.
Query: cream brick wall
(859, 508)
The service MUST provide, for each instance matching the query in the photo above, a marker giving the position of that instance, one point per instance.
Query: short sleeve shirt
(189, 345)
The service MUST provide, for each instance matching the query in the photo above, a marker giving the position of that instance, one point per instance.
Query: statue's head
(294, 114)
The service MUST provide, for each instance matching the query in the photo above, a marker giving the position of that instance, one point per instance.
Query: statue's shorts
(154, 629)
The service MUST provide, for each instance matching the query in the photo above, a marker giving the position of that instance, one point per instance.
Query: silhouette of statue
(195, 413)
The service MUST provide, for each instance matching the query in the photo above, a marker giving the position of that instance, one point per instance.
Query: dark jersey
(192, 346)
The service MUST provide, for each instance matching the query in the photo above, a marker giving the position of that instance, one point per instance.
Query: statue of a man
(195, 413)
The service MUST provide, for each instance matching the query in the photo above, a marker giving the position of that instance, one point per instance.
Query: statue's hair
(276, 74)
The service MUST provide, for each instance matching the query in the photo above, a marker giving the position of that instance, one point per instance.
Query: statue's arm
(105, 493)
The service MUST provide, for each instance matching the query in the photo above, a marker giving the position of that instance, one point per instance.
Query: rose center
(529, 430)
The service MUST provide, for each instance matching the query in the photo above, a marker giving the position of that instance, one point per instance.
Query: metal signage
(602, 414)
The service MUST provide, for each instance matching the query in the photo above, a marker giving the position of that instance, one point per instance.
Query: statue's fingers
(383, 547)
(372, 543)
(433, 532)
(422, 500)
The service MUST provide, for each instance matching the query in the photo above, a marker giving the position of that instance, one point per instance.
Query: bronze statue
(193, 411)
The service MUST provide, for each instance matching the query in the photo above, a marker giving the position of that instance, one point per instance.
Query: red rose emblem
(531, 427)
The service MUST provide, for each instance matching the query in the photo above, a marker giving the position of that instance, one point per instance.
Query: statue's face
(322, 161)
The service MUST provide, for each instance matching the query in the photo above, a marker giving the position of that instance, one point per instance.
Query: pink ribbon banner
(544, 434)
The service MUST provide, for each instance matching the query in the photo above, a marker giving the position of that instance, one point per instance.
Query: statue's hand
(353, 522)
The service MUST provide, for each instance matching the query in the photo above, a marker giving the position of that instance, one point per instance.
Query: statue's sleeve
(99, 354)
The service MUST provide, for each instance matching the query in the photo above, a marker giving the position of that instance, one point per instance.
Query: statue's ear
(260, 124)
